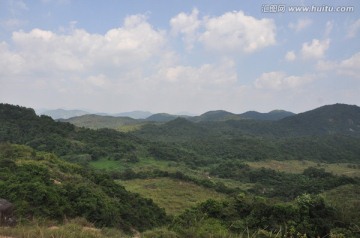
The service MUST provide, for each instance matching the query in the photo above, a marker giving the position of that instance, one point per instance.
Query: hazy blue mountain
(63, 113)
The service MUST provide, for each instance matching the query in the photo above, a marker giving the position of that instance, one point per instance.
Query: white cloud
(134, 67)
(190, 88)
(219, 74)
(10, 63)
(186, 24)
(278, 80)
(290, 56)
(80, 51)
(131, 64)
(315, 50)
(228, 33)
(353, 29)
(237, 32)
(300, 25)
(348, 67)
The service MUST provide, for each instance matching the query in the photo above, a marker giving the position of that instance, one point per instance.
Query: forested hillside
(55, 170)
(330, 133)
(42, 185)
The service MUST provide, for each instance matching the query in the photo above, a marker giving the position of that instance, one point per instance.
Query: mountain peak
(327, 119)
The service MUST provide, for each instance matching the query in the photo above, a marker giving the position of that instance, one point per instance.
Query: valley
(218, 174)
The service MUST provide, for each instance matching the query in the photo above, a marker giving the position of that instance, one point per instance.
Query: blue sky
(179, 56)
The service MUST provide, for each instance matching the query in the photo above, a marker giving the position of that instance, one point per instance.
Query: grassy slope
(297, 166)
(150, 164)
(77, 228)
(143, 165)
(173, 195)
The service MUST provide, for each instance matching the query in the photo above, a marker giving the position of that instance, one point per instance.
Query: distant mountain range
(97, 121)
(83, 118)
(62, 113)
(66, 114)
(324, 120)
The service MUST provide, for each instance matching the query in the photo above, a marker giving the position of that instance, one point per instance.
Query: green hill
(302, 136)
(22, 126)
(164, 117)
(93, 121)
(329, 119)
(219, 115)
(271, 116)
(43, 186)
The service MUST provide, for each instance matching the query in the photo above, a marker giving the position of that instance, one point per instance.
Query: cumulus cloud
(79, 50)
(187, 25)
(132, 64)
(348, 67)
(290, 56)
(351, 66)
(10, 63)
(78, 64)
(315, 50)
(222, 73)
(300, 25)
(230, 32)
(235, 31)
(278, 80)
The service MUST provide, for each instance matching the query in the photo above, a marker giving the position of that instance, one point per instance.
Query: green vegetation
(173, 195)
(97, 122)
(298, 166)
(345, 199)
(75, 228)
(218, 177)
(44, 186)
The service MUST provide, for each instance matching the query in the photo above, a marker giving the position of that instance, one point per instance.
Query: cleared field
(297, 166)
(173, 195)
(142, 165)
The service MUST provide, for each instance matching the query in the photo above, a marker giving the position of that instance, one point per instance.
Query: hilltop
(93, 121)
(329, 119)
(273, 115)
